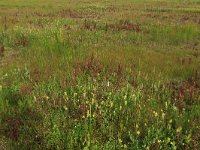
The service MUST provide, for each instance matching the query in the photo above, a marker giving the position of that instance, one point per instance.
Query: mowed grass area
(91, 74)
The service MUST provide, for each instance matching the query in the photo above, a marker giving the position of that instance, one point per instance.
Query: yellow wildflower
(125, 103)
(138, 132)
(34, 98)
(178, 130)
(120, 141)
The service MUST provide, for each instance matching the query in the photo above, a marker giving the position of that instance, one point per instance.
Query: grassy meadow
(99, 74)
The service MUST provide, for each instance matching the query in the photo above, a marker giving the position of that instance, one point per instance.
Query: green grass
(99, 74)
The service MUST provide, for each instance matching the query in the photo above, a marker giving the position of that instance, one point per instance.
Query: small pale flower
(163, 115)
(125, 97)
(88, 113)
(168, 139)
(156, 114)
(46, 97)
(166, 104)
(65, 107)
(120, 141)
(111, 104)
(179, 129)
(34, 98)
(138, 132)
(93, 101)
(108, 84)
(125, 103)
(175, 108)
(94, 115)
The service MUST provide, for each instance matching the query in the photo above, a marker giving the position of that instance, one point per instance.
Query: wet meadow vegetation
(110, 74)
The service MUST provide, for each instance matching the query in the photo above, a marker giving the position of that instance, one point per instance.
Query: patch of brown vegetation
(64, 83)
(152, 15)
(125, 25)
(189, 18)
(25, 89)
(181, 17)
(90, 65)
(185, 61)
(186, 93)
(13, 125)
(69, 13)
(89, 25)
(22, 42)
(194, 46)
(155, 146)
(35, 75)
(111, 8)
(2, 49)
(67, 27)
(38, 14)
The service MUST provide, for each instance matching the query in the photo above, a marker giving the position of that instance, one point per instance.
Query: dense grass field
(99, 74)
